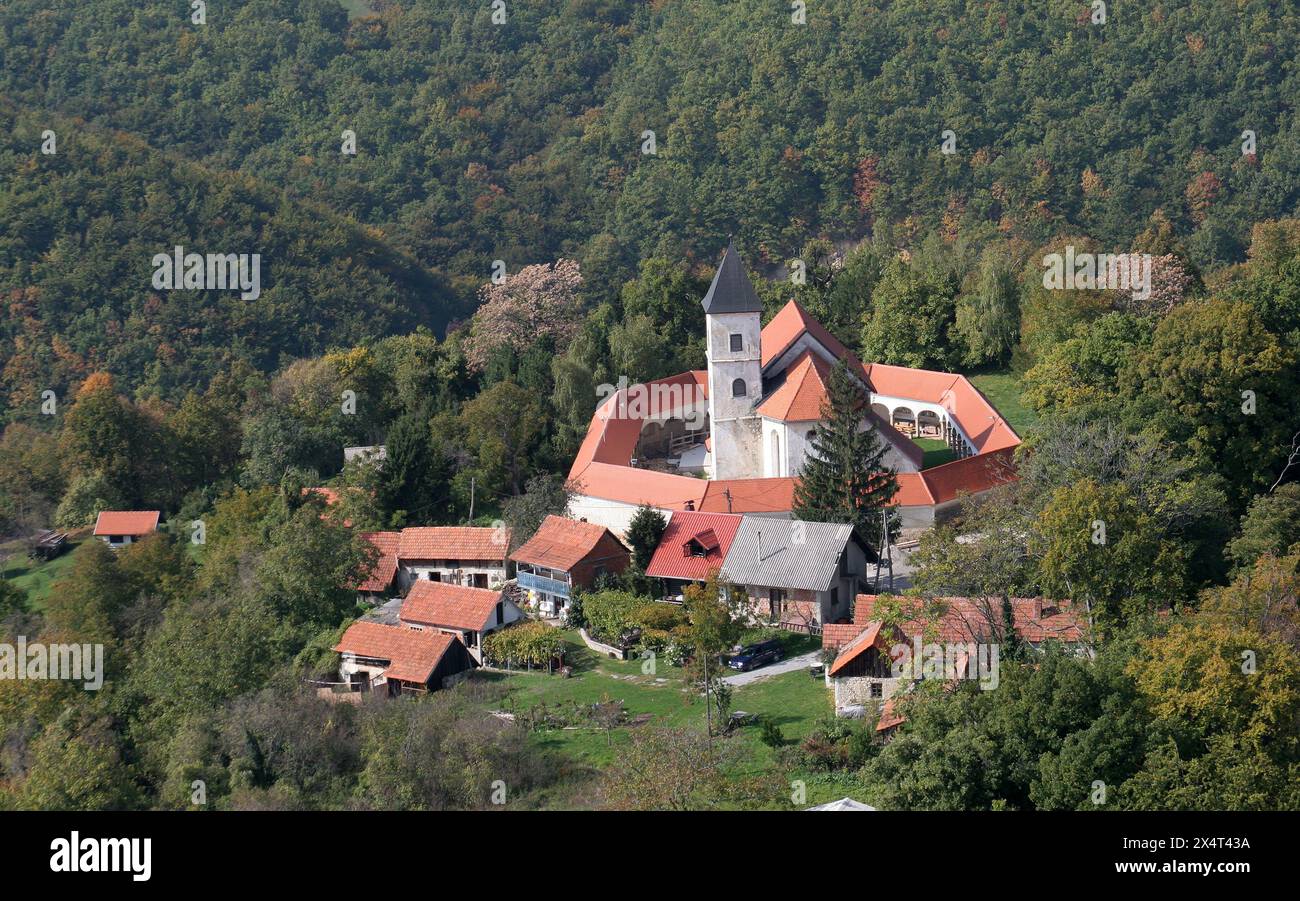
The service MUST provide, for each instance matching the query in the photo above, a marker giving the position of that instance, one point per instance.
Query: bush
(675, 653)
(661, 625)
(611, 615)
(659, 616)
(533, 643)
(769, 733)
(574, 618)
(830, 745)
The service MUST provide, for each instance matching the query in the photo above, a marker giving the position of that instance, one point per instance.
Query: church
(764, 406)
(734, 436)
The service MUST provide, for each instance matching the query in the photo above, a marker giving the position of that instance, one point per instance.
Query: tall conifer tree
(845, 477)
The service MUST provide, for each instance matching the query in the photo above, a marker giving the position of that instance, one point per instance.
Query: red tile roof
(836, 635)
(965, 404)
(616, 424)
(412, 655)
(602, 469)
(331, 495)
(749, 496)
(889, 717)
(856, 646)
(912, 490)
(453, 606)
(561, 543)
(453, 543)
(670, 561)
(1036, 620)
(794, 321)
(126, 522)
(640, 486)
(803, 393)
(971, 475)
(381, 577)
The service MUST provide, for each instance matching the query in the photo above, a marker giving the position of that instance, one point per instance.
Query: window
(737, 344)
(811, 434)
(738, 388)
(877, 690)
(501, 612)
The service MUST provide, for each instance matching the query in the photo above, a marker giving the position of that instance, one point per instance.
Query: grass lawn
(937, 452)
(357, 9)
(35, 578)
(1003, 389)
(793, 700)
(661, 694)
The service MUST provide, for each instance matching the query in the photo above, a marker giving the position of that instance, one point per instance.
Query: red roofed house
(692, 548)
(745, 422)
(862, 674)
(118, 528)
(468, 613)
(400, 660)
(565, 554)
(461, 555)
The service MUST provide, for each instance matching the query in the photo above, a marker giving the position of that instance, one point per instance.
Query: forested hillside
(1169, 416)
(81, 229)
(523, 141)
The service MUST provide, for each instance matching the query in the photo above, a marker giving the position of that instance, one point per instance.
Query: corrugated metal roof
(796, 554)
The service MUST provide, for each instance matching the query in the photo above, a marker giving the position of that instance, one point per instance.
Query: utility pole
(471, 499)
(727, 494)
(885, 556)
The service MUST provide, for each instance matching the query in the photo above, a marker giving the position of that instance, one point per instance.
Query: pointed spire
(731, 291)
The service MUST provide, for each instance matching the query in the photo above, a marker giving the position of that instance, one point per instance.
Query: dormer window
(701, 544)
(737, 343)
(738, 388)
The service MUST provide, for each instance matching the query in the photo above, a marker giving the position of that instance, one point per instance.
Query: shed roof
(453, 543)
(126, 522)
(453, 606)
(561, 543)
(412, 654)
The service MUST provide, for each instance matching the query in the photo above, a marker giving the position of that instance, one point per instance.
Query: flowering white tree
(1169, 283)
(537, 302)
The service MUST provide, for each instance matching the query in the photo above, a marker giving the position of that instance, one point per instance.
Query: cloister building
(734, 436)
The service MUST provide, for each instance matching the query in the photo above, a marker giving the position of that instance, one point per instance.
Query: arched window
(812, 433)
(776, 454)
(738, 388)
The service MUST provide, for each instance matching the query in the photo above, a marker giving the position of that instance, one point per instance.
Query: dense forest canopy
(521, 149)
(523, 141)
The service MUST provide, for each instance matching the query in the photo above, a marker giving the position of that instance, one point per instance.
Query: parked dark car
(753, 656)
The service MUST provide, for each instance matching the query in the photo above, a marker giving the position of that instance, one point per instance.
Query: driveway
(802, 662)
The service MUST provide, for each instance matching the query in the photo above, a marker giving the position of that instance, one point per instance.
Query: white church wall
(735, 429)
(613, 515)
